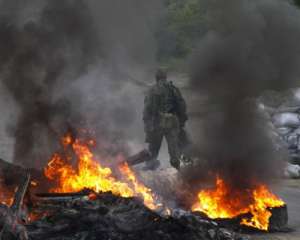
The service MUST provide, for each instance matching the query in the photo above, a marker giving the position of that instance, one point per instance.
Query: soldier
(164, 116)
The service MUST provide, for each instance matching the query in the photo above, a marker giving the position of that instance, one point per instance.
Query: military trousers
(171, 133)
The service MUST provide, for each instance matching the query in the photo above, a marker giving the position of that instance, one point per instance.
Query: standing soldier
(164, 116)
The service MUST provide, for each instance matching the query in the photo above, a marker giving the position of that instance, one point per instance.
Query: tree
(182, 27)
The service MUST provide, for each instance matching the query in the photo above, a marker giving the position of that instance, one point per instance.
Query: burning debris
(11, 217)
(255, 204)
(99, 209)
(76, 168)
(108, 216)
(98, 199)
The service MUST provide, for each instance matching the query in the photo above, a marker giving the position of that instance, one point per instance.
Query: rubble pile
(111, 217)
(87, 215)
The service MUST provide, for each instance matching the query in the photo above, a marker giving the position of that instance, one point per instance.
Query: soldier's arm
(181, 107)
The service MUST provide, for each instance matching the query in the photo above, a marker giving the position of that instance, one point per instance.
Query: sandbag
(292, 171)
(286, 120)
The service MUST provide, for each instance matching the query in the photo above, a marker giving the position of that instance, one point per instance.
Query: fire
(33, 183)
(139, 188)
(6, 194)
(88, 173)
(225, 203)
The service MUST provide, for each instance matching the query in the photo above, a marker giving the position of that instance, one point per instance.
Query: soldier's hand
(149, 128)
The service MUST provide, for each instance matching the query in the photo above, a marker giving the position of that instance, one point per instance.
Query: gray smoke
(251, 46)
(73, 64)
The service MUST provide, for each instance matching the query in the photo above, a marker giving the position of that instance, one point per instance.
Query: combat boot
(175, 163)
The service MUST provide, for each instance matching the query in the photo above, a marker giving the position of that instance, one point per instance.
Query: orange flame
(89, 173)
(6, 194)
(224, 202)
(139, 188)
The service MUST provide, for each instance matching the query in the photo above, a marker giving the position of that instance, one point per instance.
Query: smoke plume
(73, 64)
(250, 47)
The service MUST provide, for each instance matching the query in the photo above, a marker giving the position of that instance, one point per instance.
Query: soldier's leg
(184, 142)
(172, 137)
(154, 141)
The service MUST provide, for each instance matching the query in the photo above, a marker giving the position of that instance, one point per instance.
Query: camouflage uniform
(164, 116)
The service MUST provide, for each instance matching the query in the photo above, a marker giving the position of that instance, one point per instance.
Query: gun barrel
(139, 158)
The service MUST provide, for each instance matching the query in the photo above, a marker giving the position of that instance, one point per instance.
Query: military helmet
(161, 74)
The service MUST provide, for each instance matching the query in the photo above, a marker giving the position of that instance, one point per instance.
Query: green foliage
(185, 21)
(182, 27)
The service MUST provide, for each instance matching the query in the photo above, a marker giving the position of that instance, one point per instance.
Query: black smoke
(66, 65)
(250, 47)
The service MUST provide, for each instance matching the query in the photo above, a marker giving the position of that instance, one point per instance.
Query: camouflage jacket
(163, 98)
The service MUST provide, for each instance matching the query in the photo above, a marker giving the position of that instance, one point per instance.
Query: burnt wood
(278, 221)
(11, 218)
